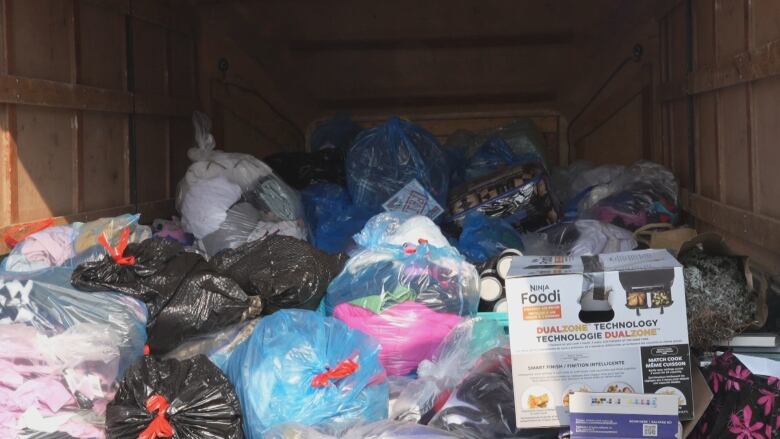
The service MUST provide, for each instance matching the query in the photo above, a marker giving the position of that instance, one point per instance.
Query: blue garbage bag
(331, 217)
(493, 154)
(338, 131)
(300, 366)
(484, 237)
(384, 159)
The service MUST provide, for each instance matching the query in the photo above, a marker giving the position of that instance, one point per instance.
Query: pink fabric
(408, 332)
(50, 247)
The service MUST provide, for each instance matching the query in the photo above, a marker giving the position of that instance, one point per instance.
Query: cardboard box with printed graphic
(638, 343)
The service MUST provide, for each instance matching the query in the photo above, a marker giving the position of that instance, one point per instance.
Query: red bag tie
(118, 251)
(16, 234)
(159, 427)
(343, 369)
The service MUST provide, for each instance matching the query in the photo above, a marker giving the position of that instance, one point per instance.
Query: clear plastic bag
(61, 353)
(299, 366)
(484, 237)
(186, 296)
(453, 359)
(643, 194)
(384, 159)
(523, 137)
(399, 228)
(408, 297)
(588, 237)
(376, 430)
(483, 405)
(331, 217)
(71, 244)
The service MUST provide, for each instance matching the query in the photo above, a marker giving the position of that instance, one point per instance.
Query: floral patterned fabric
(744, 406)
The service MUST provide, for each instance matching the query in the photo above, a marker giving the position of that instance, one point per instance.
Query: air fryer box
(639, 346)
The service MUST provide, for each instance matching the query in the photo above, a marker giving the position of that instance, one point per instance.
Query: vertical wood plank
(707, 146)
(76, 125)
(733, 137)
(105, 160)
(41, 46)
(151, 138)
(45, 151)
(767, 132)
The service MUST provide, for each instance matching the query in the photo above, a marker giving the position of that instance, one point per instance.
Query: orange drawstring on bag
(342, 370)
(16, 234)
(159, 427)
(117, 253)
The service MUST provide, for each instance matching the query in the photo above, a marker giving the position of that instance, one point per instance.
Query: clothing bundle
(185, 294)
(409, 297)
(188, 399)
(579, 238)
(644, 193)
(384, 159)
(299, 366)
(285, 272)
(228, 199)
(61, 354)
(483, 404)
(419, 399)
(71, 244)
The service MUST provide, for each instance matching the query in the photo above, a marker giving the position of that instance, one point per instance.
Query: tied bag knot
(117, 253)
(159, 427)
(342, 370)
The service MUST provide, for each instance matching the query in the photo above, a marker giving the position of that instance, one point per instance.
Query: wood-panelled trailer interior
(96, 95)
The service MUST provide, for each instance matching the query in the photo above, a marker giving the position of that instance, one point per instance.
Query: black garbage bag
(185, 294)
(285, 272)
(189, 399)
(301, 169)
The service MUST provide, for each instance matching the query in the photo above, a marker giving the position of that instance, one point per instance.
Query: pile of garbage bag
(346, 310)
(185, 294)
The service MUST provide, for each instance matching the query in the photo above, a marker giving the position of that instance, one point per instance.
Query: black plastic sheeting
(285, 272)
(184, 293)
(203, 404)
(301, 169)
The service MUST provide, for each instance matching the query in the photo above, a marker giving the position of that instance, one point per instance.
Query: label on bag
(413, 198)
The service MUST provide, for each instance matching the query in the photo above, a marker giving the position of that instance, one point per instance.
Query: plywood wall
(94, 98)
(731, 96)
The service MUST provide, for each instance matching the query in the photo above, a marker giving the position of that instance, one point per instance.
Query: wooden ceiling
(358, 54)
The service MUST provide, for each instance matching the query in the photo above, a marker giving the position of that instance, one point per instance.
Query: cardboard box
(642, 348)
(624, 416)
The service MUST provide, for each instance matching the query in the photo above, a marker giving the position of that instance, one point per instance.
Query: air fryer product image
(648, 289)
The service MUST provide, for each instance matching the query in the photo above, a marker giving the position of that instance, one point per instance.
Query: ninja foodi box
(635, 342)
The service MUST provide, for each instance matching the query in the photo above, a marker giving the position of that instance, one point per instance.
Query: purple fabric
(34, 390)
(408, 332)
